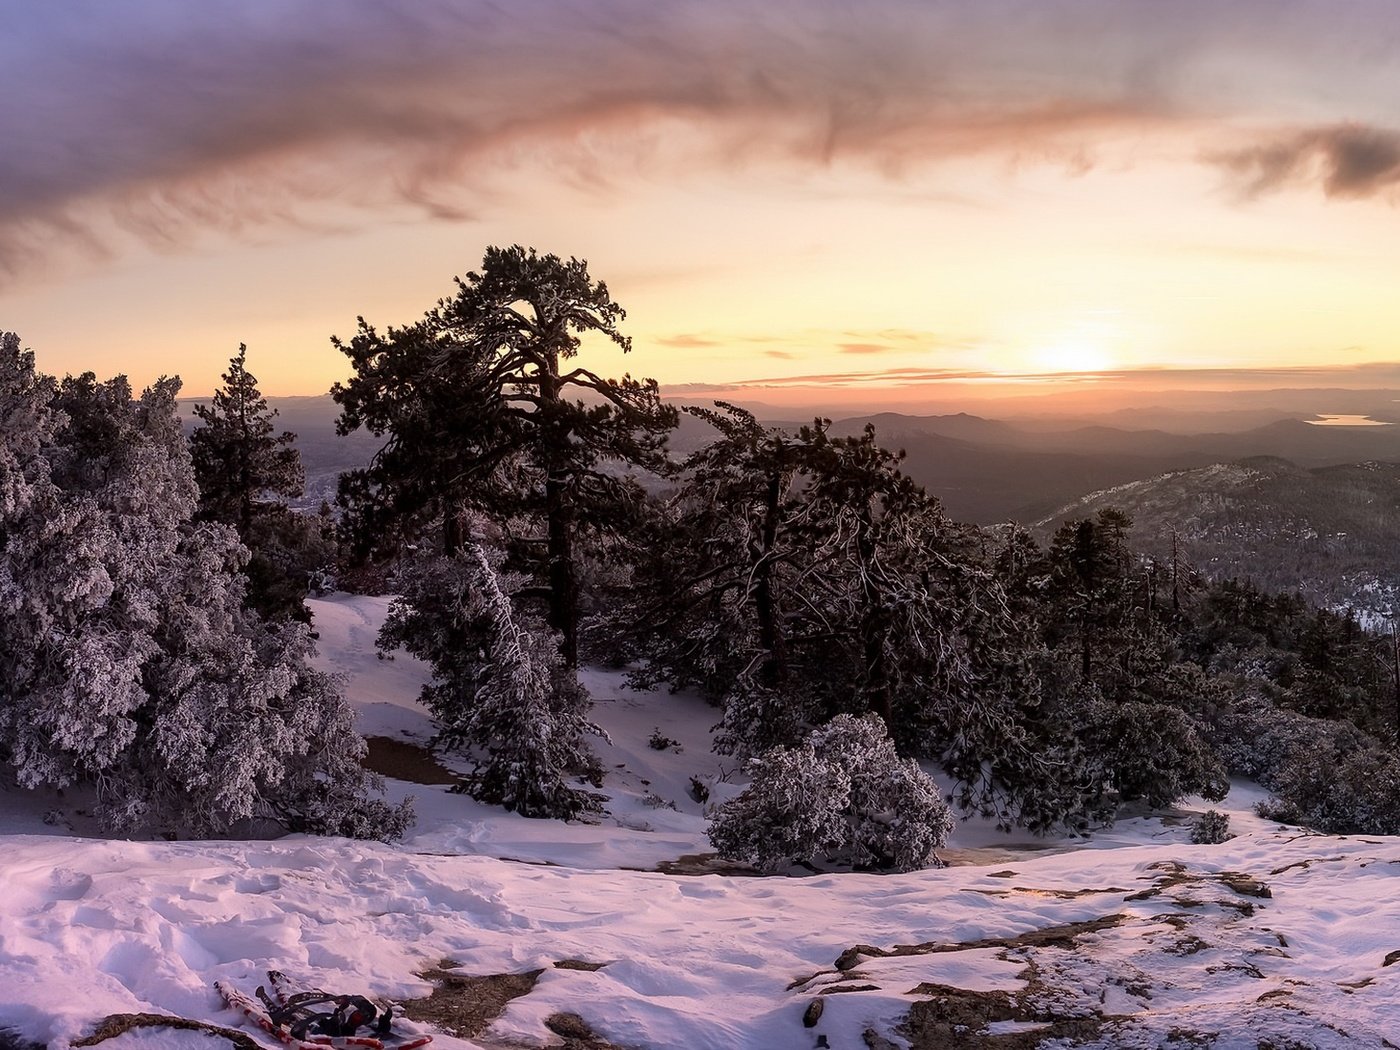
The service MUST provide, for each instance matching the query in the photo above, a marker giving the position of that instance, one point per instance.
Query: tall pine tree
(240, 462)
(484, 411)
(246, 471)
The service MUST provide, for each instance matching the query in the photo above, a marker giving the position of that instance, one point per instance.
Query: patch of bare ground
(576, 1033)
(578, 964)
(1048, 937)
(706, 864)
(958, 1017)
(1063, 895)
(947, 1016)
(402, 760)
(464, 1004)
(118, 1024)
(1175, 875)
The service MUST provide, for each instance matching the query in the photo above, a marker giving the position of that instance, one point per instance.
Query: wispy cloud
(686, 341)
(1368, 375)
(158, 118)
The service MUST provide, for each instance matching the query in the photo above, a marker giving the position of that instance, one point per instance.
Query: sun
(1071, 355)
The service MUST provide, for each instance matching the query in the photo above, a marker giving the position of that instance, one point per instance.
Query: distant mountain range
(1286, 503)
(989, 471)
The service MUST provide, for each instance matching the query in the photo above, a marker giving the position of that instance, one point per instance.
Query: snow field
(91, 928)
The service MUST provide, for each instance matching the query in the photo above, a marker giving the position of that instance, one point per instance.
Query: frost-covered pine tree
(843, 795)
(130, 662)
(501, 690)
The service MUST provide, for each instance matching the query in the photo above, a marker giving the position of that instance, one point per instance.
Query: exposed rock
(1048, 937)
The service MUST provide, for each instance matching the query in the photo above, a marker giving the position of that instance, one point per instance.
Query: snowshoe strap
(348, 1014)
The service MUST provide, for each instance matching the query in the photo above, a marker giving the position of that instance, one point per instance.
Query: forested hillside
(1330, 533)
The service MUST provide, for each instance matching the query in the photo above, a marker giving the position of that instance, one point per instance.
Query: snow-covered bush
(842, 795)
(1153, 753)
(790, 812)
(129, 660)
(500, 690)
(1211, 828)
(1323, 774)
(757, 719)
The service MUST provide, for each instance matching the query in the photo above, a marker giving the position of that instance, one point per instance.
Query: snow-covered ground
(1275, 938)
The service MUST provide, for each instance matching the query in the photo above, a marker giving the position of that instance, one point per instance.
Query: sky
(787, 197)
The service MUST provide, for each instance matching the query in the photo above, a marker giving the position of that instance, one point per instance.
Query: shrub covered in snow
(842, 795)
(1323, 774)
(1211, 828)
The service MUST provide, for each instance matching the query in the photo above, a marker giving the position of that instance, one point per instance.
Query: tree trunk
(453, 534)
(873, 626)
(773, 671)
(563, 585)
(559, 519)
(1395, 643)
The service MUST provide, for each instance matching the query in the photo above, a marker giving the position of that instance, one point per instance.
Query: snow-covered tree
(130, 662)
(501, 690)
(798, 576)
(757, 718)
(843, 795)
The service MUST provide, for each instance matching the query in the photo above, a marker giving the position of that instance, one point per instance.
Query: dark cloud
(1346, 160)
(159, 117)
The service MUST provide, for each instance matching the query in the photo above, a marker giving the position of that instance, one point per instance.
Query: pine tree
(1089, 582)
(708, 603)
(482, 413)
(239, 460)
(500, 691)
(245, 470)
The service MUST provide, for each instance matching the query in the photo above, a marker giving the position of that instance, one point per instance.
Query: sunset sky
(816, 194)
